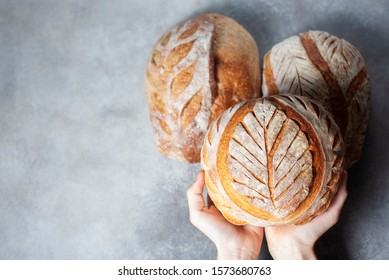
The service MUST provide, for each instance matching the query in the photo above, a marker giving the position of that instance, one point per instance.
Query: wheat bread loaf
(330, 70)
(197, 70)
(272, 161)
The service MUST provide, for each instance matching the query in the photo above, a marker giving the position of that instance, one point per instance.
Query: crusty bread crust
(271, 161)
(196, 71)
(330, 70)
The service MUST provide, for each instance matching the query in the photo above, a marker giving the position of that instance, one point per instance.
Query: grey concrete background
(80, 177)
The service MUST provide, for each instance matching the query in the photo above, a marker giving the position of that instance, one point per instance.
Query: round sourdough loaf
(274, 160)
(196, 71)
(329, 70)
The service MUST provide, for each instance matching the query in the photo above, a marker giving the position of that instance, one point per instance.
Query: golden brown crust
(274, 160)
(196, 71)
(268, 76)
(236, 67)
(337, 99)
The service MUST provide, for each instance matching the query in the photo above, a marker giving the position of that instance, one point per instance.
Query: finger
(341, 195)
(210, 201)
(195, 194)
(333, 212)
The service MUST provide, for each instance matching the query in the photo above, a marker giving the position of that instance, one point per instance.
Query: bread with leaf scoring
(330, 70)
(197, 70)
(272, 161)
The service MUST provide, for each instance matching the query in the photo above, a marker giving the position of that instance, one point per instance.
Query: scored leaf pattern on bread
(270, 160)
(333, 146)
(338, 78)
(343, 59)
(208, 163)
(295, 73)
(178, 79)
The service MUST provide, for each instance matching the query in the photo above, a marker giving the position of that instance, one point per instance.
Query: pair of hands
(244, 242)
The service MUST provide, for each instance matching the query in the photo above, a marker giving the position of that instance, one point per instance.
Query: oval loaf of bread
(196, 71)
(329, 70)
(274, 160)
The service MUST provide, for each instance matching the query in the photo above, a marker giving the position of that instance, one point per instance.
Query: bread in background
(197, 70)
(330, 70)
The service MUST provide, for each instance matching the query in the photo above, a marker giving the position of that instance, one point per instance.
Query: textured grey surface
(80, 177)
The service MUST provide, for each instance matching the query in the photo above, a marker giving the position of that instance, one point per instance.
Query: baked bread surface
(197, 70)
(330, 70)
(271, 161)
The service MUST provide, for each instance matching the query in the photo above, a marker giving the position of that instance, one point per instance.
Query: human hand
(232, 242)
(297, 241)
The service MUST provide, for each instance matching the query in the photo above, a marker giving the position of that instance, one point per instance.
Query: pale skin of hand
(232, 242)
(244, 242)
(296, 242)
